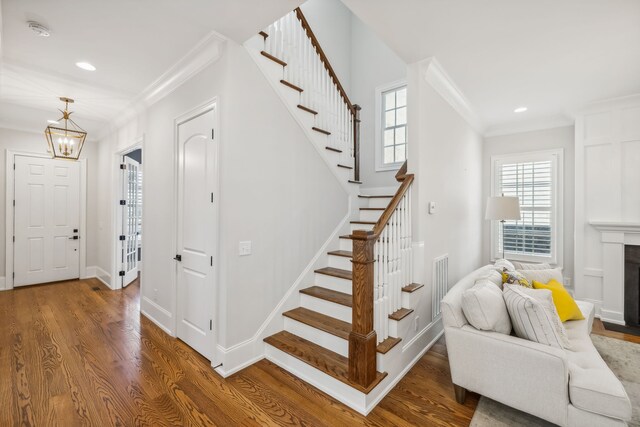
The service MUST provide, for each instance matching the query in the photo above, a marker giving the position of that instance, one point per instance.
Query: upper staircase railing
(291, 40)
(382, 266)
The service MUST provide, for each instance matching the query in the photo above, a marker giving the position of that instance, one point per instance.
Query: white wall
(607, 190)
(525, 142)
(373, 64)
(445, 154)
(276, 191)
(34, 142)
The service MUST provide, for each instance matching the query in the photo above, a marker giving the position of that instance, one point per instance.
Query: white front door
(129, 217)
(197, 235)
(46, 220)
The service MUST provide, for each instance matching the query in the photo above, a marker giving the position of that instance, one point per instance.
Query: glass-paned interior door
(130, 207)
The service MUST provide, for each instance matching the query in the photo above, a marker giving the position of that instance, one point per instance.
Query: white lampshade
(503, 208)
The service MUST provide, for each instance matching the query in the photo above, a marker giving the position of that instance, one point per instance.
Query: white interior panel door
(196, 237)
(46, 220)
(129, 221)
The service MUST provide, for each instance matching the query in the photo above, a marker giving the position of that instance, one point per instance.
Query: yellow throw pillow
(565, 304)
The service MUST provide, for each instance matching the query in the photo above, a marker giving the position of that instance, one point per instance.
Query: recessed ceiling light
(520, 110)
(85, 66)
(39, 29)
(53, 122)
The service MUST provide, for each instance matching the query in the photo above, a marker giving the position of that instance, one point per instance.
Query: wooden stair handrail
(362, 339)
(324, 59)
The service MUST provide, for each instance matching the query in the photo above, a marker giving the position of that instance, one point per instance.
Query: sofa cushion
(592, 385)
(528, 266)
(534, 316)
(493, 276)
(484, 307)
(543, 276)
(452, 314)
(502, 264)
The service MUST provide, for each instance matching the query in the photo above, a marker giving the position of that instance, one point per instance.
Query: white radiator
(440, 283)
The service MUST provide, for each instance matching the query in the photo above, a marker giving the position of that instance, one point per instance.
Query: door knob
(74, 238)
(178, 258)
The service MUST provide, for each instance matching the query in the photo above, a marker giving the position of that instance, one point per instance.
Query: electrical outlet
(416, 323)
(244, 248)
(567, 282)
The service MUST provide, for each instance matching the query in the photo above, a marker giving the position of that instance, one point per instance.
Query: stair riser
(333, 283)
(400, 328)
(346, 244)
(361, 227)
(341, 262)
(370, 215)
(378, 203)
(328, 308)
(316, 336)
(411, 300)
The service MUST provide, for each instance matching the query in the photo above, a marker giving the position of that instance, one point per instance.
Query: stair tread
(346, 254)
(400, 314)
(412, 287)
(355, 182)
(363, 196)
(372, 209)
(364, 222)
(324, 360)
(307, 109)
(345, 166)
(387, 345)
(291, 85)
(263, 34)
(346, 236)
(337, 150)
(336, 272)
(333, 326)
(317, 129)
(273, 58)
(328, 295)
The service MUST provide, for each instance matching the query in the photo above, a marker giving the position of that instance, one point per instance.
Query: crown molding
(530, 126)
(205, 52)
(442, 83)
(611, 103)
(11, 127)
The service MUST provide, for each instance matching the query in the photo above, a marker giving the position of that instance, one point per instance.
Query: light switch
(432, 208)
(244, 248)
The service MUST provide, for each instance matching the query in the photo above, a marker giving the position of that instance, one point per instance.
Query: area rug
(622, 357)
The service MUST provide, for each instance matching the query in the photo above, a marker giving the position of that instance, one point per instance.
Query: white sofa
(566, 387)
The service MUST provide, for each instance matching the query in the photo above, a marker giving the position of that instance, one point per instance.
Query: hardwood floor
(77, 353)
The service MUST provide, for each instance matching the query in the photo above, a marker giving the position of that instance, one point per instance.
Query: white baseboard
(3, 283)
(614, 317)
(96, 272)
(158, 315)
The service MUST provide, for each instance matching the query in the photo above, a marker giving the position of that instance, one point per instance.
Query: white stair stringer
(290, 97)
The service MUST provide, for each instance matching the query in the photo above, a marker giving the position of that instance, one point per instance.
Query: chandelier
(67, 142)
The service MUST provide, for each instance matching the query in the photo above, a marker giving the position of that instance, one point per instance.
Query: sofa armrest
(522, 374)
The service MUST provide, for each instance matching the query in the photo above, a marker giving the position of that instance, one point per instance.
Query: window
(391, 135)
(535, 178)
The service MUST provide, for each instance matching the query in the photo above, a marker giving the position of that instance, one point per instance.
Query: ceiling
(552, 56)
(132, 44)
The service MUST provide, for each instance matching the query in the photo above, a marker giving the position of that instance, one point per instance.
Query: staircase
(345, 336)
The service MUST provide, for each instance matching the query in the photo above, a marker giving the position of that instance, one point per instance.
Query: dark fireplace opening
(632, 285)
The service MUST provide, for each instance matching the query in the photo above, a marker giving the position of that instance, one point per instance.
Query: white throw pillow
(502, 263)
(484, 307)
(527, 266)
(493, 276)
(542, 276)
(534, 316)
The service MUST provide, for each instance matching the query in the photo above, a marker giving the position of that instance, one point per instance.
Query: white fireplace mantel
(614, 236)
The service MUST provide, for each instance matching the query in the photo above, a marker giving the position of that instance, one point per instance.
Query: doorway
(128, 216)
(197, 195)
(45, 228)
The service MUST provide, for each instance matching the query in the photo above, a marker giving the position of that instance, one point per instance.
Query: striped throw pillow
(534, 316)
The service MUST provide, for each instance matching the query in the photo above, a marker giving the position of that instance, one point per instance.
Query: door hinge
(13, 275)
(123, 166)
(122, 237)
(123, 202)
(121, 273)
(212, 261)
(211, 324)
(178, 257)
(14, 239)
(213, 133)
(14, 202)
(211, 197)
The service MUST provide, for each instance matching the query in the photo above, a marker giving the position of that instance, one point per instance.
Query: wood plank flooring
(76, 353)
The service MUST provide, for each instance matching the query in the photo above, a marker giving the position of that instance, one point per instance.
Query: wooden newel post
(362, 339)
(356, 141)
